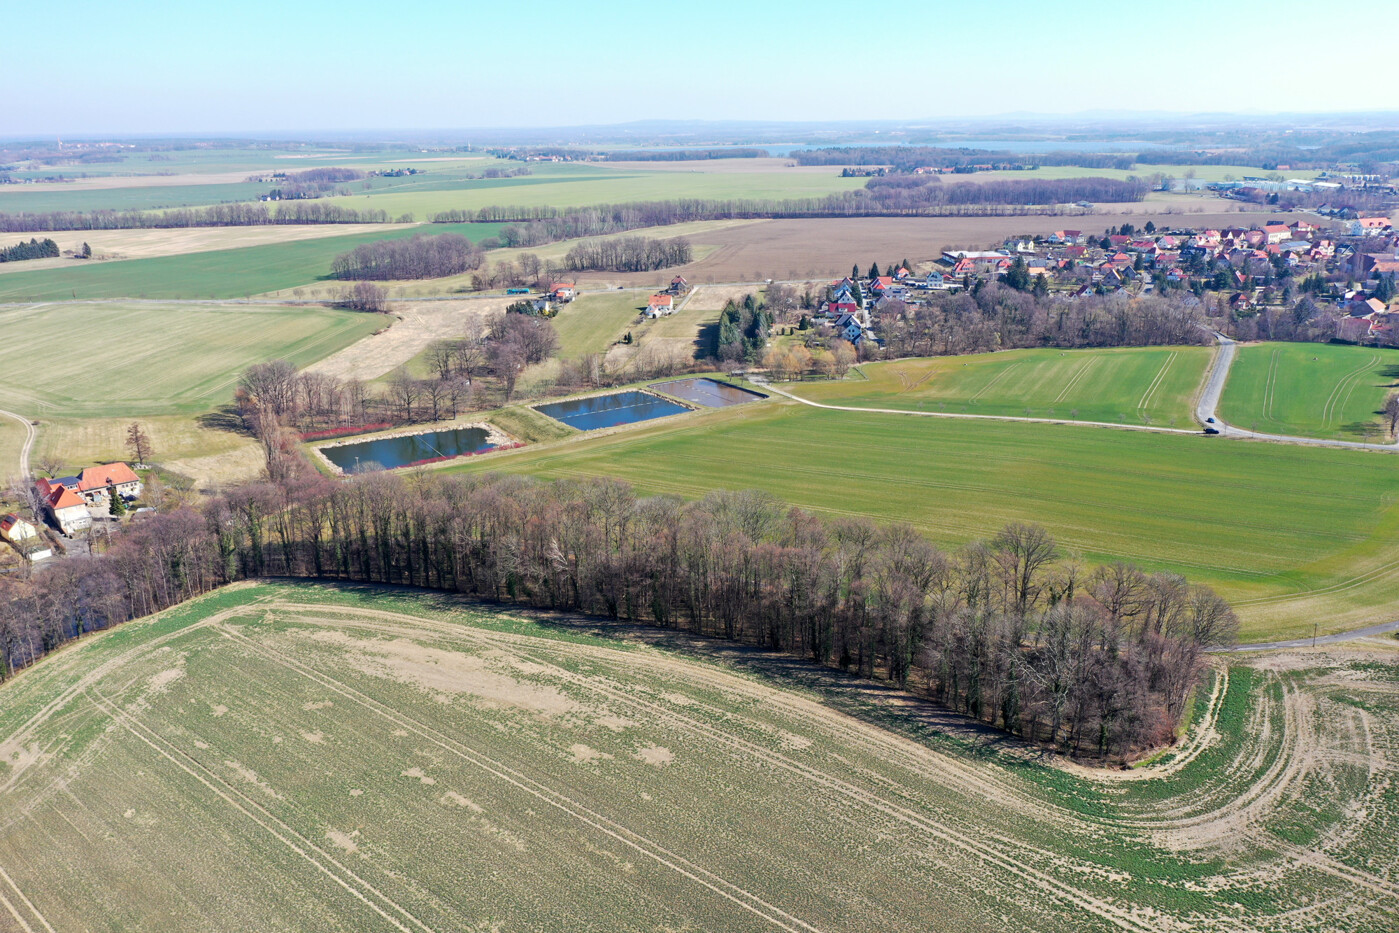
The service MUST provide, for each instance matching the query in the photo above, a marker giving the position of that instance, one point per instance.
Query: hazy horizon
(145, 69)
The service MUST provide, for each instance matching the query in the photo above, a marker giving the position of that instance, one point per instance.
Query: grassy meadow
(594, 321)
(114, 359)
(1312, 390)
(225, 273)
(1267, 525)
(317, 758)
(1154, 385)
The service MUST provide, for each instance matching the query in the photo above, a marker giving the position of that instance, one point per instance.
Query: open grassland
(221, 273)
(12, 436)
(210, 456)
(115, 359)
(593, 322)
(1131, 386)
(308, 758)
(145, 244)
(1315, 390)
(1269, 525)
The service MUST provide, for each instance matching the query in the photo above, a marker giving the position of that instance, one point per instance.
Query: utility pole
(1314, 625)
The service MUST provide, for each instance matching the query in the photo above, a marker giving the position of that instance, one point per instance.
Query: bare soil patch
(419, 324)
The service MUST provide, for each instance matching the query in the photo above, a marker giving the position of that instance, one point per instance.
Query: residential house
(66, 507)
(848, 327)
(1353, 329)
(16, 530)
(1368, 226)
(563, 291)
(678, 286)
(95, 483)
(1276, 233)
(660, 305)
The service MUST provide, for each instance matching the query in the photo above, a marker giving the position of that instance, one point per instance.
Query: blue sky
(138, 66)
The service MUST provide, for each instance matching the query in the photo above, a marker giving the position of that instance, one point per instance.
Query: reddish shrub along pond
(349, 429)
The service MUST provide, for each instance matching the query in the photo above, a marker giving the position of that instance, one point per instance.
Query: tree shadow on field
(223, 418)
(875, 702)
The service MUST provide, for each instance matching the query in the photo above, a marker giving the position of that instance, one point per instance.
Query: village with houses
(1346, 268)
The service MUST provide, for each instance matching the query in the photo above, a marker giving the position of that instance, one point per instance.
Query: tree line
(417, 257)
(628, 254)
(1005, 630)
(992, 316)
(681, 155)
(219, 215)
(742, 332)
(910, 158)
(900, 193)
(34, 249)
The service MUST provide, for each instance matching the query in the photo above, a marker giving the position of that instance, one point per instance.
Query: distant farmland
(109, 359)
(1269, 525)
(1315, 390)
(225, 273)
(1132, 386)
(309, 758)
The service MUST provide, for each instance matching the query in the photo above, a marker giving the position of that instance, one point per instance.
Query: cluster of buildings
(667, 301)
(69, 500)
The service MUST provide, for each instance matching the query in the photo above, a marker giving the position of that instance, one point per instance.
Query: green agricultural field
(1132, 386)
(594, 321)
(225, 273)
(312, 758)
(21, 199)
(114, 359)
(1313, 390)
(1268, 525)
(577, 185)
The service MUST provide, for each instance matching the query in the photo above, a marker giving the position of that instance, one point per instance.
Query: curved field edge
(1270, 526)
(314, 756)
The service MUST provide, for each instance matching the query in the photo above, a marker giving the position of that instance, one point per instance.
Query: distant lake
(391, 452)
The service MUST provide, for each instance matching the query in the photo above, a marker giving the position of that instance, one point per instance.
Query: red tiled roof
(63, 498)
(108, 474)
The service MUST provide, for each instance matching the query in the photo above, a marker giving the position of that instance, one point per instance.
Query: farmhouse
(659, 306)
(678, 286)
(94, 483)
(66, 507)
(563, 291)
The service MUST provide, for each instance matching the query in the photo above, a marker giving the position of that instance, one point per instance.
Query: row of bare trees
(995, 317)
(629, 254)
(247, 214)
(1007, 630)
(416, 257)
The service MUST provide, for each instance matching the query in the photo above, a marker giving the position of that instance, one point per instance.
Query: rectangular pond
(390, 452)
(711, 393)
(607, 411)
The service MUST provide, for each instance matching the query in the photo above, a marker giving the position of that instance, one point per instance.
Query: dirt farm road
(31, 434)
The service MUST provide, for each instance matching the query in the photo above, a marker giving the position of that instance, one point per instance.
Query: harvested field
(419, 325)
(315, 758)
(802, 249)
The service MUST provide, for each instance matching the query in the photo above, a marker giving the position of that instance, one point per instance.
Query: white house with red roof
(96, 483)
(660, 305)
(67, 508)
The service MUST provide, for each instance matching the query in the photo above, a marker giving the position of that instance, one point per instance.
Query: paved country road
(30, 434)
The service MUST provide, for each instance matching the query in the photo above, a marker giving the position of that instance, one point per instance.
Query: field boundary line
(1270, 385)
(228, 795)
(543, 792)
